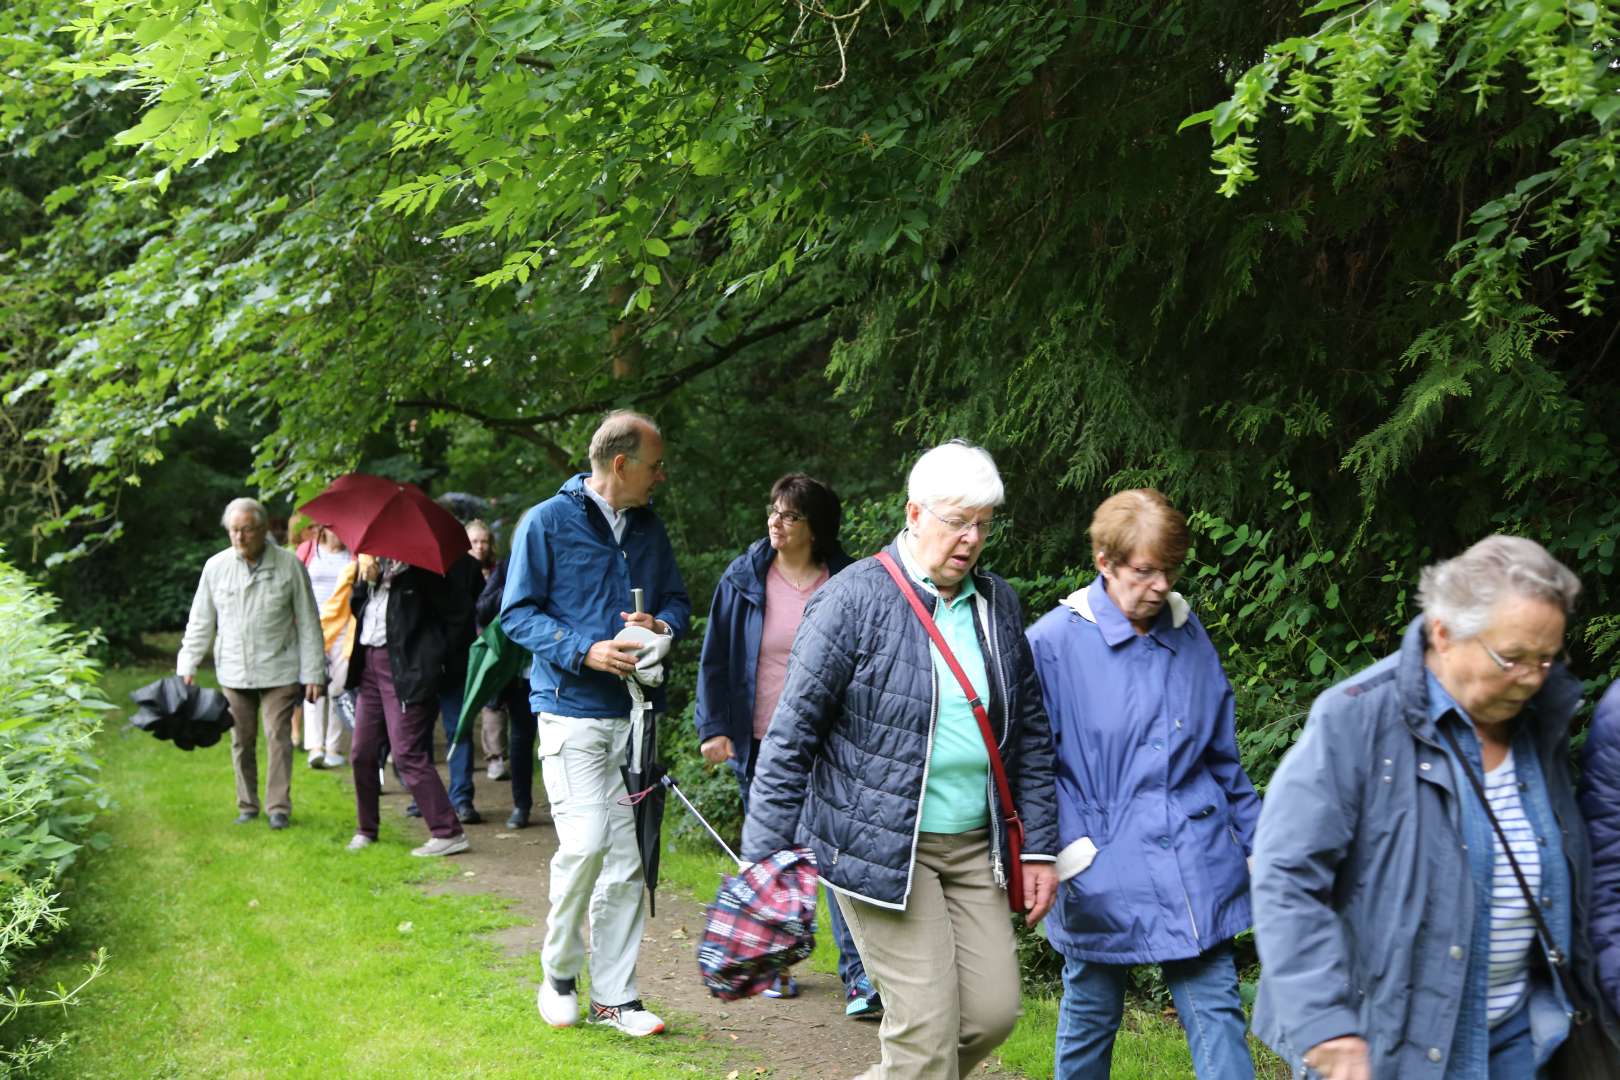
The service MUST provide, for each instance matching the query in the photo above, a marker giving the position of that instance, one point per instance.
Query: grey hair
(958, 473)
(236, 506)
(1461, 591)
(620, 432)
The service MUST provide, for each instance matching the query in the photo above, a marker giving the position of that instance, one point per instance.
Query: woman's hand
(717, 750)
(1344, 1058)
(1040, 890)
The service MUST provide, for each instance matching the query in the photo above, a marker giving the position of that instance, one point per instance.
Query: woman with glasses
(875, 761)
(756, 611)
(1155, 811)
(1427, 801)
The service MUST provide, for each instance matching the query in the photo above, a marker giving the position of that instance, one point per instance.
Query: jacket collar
(1093, 604)
(747, 575)
(574, 488)
(1551, 710)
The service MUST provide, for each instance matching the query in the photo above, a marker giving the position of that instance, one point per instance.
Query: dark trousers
(522, 728)
(378, 710)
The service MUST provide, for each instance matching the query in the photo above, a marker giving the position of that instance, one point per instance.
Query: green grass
(236, 952)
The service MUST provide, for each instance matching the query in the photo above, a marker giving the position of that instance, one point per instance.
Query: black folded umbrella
(187, 716)
(642, 773)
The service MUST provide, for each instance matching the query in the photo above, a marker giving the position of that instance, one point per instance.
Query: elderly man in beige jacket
(255, 607)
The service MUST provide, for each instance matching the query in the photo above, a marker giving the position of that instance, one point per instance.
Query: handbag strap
(1555, 956)
(1003, 790)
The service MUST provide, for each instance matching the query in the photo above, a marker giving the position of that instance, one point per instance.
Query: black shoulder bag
(1587, 1054)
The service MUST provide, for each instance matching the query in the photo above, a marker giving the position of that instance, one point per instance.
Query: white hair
(236, 506)
(958, 473)
(621, 432)
(1461, 591)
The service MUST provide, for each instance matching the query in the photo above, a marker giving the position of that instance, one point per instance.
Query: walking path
(806, 1038)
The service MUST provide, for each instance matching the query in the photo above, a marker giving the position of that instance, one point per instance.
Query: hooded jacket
(567, 580)
(1148, 778)
(844, 764)
(729, 663)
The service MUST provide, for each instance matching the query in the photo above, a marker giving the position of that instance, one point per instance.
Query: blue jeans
(1513, 1056)
(1205, 990)
(461, 782)
(851, 969)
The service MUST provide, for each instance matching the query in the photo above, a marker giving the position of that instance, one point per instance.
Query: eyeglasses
(988, 530)
(786, 517)
(246, 530)
(657, 466)
(1516, 668)
(1145, 574)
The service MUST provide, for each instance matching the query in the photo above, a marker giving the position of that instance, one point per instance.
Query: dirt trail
(808, 1037)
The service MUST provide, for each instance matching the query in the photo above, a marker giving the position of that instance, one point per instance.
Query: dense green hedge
(50, 708)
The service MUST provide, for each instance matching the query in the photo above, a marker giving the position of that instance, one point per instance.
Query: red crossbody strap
(1003, 790)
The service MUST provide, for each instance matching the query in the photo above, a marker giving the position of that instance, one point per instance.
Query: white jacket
(262, 624)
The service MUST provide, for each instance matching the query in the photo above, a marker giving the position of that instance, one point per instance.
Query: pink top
(784, 610)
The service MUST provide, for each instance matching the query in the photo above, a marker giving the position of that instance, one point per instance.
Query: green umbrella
(492, 662)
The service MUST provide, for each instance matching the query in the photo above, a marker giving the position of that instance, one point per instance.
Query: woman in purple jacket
(1154, 809)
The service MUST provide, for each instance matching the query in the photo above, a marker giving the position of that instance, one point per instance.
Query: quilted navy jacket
(730, 660)
(1600, 805)
(842, 769)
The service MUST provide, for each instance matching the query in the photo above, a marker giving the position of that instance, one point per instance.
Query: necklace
(801, 585)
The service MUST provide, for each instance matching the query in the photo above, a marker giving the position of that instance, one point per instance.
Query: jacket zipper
(998, 868)
(922, 793)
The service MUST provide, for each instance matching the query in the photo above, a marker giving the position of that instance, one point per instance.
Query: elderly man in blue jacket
(574, 560)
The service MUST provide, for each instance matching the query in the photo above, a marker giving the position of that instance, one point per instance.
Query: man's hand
(641, 618)
(189, 680)
(614, 657)
(717, 750)
(1040, 889)
(314, 691)
(1344, 1058)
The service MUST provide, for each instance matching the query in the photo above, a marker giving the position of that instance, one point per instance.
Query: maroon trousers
(409, 727)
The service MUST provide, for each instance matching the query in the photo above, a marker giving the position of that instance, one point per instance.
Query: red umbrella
(376, 516)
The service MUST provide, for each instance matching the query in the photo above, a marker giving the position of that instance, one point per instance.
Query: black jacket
(430, 622)
(842, 768)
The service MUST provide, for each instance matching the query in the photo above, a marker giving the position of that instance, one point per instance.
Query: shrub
(50, 708)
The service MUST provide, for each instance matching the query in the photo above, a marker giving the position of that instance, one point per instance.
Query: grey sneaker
(442, 845)
(360, 842)
(632, 1018)
(333, 761)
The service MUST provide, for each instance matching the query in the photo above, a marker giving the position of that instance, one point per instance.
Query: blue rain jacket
(1600, 805)
(730, 660)
(567, 581)
(1364, 905)
(1148, 770)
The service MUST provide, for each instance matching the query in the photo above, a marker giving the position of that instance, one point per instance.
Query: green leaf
(656, 247)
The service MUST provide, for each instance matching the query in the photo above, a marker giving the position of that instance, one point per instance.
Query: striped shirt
(1513, 929)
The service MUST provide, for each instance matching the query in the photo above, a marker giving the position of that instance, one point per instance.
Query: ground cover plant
(50, 707)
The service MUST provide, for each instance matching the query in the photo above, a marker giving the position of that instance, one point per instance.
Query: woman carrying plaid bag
(876, 760)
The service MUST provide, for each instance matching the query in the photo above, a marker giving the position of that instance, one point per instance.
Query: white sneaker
(317, 760)
(333, 761)
(360, 842)
(497, 769)
(632, 1018)
(442, 845)
(559, 1008)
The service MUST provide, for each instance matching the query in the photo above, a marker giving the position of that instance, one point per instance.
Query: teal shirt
(956, 795)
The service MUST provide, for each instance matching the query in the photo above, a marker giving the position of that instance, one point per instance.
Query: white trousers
(597, 869)
(323, 727)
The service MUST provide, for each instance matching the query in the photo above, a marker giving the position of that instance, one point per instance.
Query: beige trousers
(492, 732)
(278, 703)
(947, 966)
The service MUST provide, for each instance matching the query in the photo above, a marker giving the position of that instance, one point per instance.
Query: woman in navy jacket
(1154, 807)
(798, 554)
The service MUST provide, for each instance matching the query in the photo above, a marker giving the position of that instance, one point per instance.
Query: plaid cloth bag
(763, 920)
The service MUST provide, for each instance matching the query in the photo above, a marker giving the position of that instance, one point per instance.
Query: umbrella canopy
(493, 661)
(376, 516)
(187, 716)
(641, 769)
(762, 921)
(464, 506)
